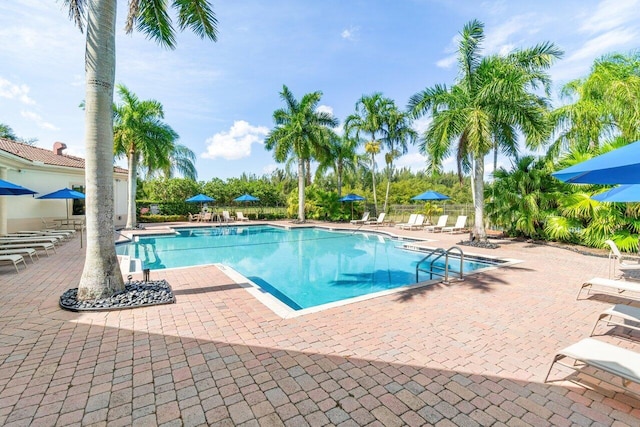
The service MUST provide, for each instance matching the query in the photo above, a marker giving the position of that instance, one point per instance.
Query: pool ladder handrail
(442, 253)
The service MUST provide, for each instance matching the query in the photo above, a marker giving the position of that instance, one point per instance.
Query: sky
(220, 97)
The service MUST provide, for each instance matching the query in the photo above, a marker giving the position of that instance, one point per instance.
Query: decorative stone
(135, 294)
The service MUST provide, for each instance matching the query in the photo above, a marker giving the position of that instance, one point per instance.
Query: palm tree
(340, 155)
(398, 134)
(605, 104)
(493, 99)
(370, 118)
(140, 135)
(300, 132)
(101, 275)
(7, 133)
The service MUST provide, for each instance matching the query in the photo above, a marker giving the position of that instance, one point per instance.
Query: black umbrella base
(136, 294)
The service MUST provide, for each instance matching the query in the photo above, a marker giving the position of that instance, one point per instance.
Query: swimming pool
(303, 267)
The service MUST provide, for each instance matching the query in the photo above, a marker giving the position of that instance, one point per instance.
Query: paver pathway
(469, 353)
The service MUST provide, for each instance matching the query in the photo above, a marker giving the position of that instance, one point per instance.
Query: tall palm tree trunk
(479, 232)
(339, 173)
(133, 186)
(301, 180)
(386, 196)
(101, 275)
(373, 182)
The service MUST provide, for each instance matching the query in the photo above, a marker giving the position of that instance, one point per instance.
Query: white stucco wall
(25, 212)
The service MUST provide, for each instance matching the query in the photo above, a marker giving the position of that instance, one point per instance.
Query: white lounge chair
(410, 221)
(418, 223)
(378, 221)
(460, 225)
(620, 288)
(620, 315)
(240, 216)
(13, 259)
(20, 251)
(35, 245)
(603, 356)
(624, 262)
(365, 218)
(226, 217)
(35, 239)
(442, 222)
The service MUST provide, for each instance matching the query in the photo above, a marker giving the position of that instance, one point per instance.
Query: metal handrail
(442, 252)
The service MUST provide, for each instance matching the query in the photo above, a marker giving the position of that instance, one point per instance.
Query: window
(78, 204)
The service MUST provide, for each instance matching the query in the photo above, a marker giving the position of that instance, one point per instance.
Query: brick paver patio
(472, 353)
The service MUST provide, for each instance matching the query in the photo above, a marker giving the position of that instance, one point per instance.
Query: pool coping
(284, 311)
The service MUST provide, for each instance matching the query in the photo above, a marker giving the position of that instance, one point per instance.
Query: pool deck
(468, 353)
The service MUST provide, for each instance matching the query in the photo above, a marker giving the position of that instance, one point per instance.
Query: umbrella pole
(67, 202)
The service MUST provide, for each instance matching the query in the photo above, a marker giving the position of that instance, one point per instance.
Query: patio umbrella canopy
(624, 193)
(351, 198)
(246, 198)
(202, 198)
(64, 193)
(621, 166)
(9, 189)
(430, 195)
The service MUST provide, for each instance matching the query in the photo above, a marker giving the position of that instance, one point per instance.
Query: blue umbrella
(200, 198)
(622, 193)
(64, 193)
(430, 195)
(9, 189)
(246, 198)
(351, 198)
(621, 166)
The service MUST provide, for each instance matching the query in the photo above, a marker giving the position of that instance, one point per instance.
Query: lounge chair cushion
(620, 315)
(619, 288)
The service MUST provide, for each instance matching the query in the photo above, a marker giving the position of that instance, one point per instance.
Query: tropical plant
(606, 105)
(398, 134)
(300, 132)
(491, 102)
(140, 135)
(340, 156)
(369, 118)
(520, 200)
(101, 275)
(7, 132)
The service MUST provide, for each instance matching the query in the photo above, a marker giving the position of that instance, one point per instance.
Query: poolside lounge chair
(13, 238)
(194, 217)
(206, 217)
(460, 225)
(20, 251)
(603, 356)
(240, 216)
(620, 315)
(619, 288)
(13, 259)
(378, 221)
(624, 262)
(418, 223)
(365, 218)
(442, 222)
(411, 221)
(226, 217)
(35, 245)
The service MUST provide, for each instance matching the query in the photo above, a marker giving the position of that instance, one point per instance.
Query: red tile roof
(48, 157)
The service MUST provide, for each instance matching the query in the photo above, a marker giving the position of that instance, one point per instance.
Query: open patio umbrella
(10, 189)
(430, 195)
(246, 198)
(202, 198)
(621, 166)
(64, 193)
(623, 193)
(351, 198)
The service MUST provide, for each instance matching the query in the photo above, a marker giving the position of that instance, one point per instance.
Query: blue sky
(220, 97)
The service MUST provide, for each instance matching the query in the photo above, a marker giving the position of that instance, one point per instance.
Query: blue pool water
(302, 267)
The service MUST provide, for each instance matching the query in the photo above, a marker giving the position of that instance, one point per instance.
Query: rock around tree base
(136, 294)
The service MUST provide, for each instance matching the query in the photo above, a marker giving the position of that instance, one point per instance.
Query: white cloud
(611, 14)
(422, 124)
(325, 109)
(14, 91)
(350, 33)
(270, 168)
(34, 117)
(447, 62)
(604, 43)
(413, 161)
(235, 143)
